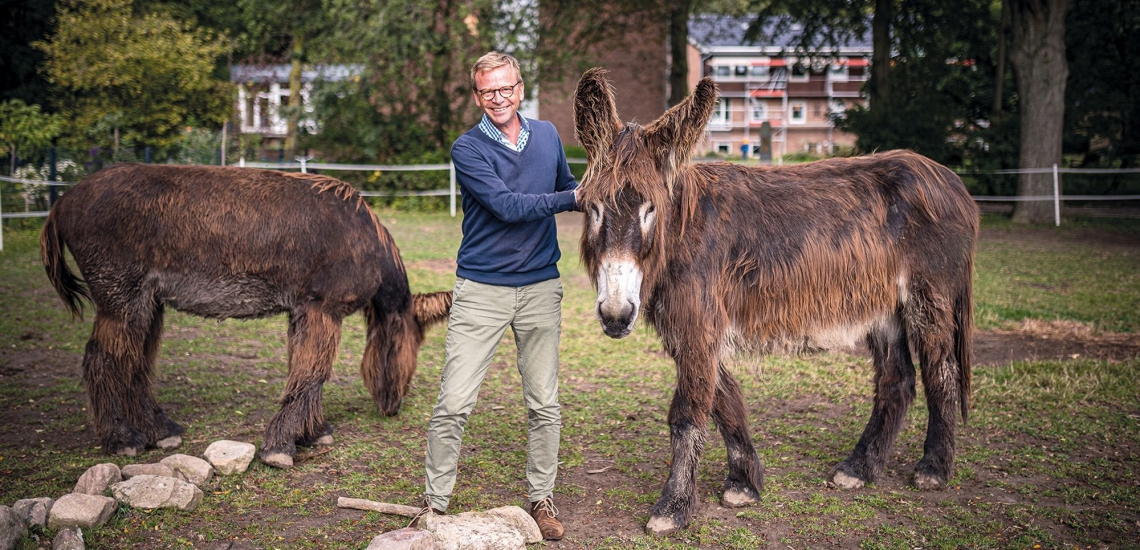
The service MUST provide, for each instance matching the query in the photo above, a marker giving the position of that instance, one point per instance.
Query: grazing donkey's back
(230, 243)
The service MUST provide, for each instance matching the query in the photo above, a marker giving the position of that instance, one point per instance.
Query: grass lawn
(1050, 457)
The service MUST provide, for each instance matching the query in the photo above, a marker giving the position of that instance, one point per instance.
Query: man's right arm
(480, 182)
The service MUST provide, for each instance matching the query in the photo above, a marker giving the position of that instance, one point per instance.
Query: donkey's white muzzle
(619, 296)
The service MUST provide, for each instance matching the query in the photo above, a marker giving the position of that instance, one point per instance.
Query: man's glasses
(505, 91)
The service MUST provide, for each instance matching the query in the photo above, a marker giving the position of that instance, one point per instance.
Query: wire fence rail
(304, 166)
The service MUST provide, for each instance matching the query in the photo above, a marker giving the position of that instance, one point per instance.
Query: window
(799, 73)
(759, 71)
(722, 112)
(741, 70)
(723, 70)
(798, 112)
(838, 72)
(757, 110)
(722, 148)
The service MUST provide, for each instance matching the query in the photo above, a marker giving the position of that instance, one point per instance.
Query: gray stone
(81, 510)
(69, 539)
(229, 457)
(189, 468)
(132, 470)
(151, 492)
(403, 539)
(12, 528)
(33, 510)
(97, 478)
(508, 527)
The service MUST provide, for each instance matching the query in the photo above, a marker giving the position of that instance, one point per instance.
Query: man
(514, 178)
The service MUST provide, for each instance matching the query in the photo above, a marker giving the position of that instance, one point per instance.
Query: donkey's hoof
(172, 442)
(735, 497)
(277, 460)
(661, 526)
(927, 481)
(323, 440)
(845, 481)
(127, 450)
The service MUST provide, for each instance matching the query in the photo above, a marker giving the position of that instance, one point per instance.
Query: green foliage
(941, 85)
(146, 75)
(1102, 106)
(24, 126)
(354, 130)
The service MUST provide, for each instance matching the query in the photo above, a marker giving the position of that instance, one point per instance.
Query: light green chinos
(480, 315)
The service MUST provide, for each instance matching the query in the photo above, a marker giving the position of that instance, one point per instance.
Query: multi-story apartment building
(771, 96)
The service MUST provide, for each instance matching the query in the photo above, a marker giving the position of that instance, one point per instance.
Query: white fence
(304, 166)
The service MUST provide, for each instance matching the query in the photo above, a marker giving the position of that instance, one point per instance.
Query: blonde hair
(493, 60)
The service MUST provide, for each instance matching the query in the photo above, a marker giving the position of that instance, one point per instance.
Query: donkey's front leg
(687, 434)
(314, 336)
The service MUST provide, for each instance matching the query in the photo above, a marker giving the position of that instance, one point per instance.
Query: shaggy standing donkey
(230, 243)
(719, 256)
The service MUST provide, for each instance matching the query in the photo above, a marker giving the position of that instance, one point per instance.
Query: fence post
(452, 189)
(2, 214)
(53, 176)
(223, 153)
(303, 170)
(148, 156)
(1056, 196)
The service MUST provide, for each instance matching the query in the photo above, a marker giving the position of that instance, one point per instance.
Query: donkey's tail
(71, 289)
(964, 339)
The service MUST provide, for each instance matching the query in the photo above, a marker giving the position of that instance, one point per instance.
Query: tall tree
(150, 74)
(25, 126)
(1102, 111)
(1037, 55)
(21, 23)
(285, 29)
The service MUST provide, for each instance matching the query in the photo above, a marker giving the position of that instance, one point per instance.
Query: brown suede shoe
(545, 515)
(427, 510)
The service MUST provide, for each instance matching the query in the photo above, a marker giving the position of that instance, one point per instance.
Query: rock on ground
(33, 510)
(97, 478)
(403, 539)
(132, 470)
(12, 528)
(157, 492)
(508, 527)
(229, 457)
(81, 510)
(69, 539)
(189, 468)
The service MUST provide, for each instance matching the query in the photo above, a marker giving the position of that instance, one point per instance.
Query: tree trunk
(1037, 54)
(441, 75)
(293, 121)
(679, 50)
(879, 86)
(999, 77)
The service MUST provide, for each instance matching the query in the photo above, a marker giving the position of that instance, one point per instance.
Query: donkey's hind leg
(940, 382)
(894, 393)
(143, 411)
(745, 472)
(112, 355)
(314, 336)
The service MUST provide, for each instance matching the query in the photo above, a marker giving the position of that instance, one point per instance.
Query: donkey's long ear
(596, 119)
(674, 134)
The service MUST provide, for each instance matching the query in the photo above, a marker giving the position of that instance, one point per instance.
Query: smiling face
(502, 111)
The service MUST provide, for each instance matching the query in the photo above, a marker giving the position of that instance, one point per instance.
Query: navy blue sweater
(509, 202)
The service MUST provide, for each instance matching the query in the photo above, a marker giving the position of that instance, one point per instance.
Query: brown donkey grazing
(718, 256)
(230, 243)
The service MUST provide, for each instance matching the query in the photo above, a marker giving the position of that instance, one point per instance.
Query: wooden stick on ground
(382, 507)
